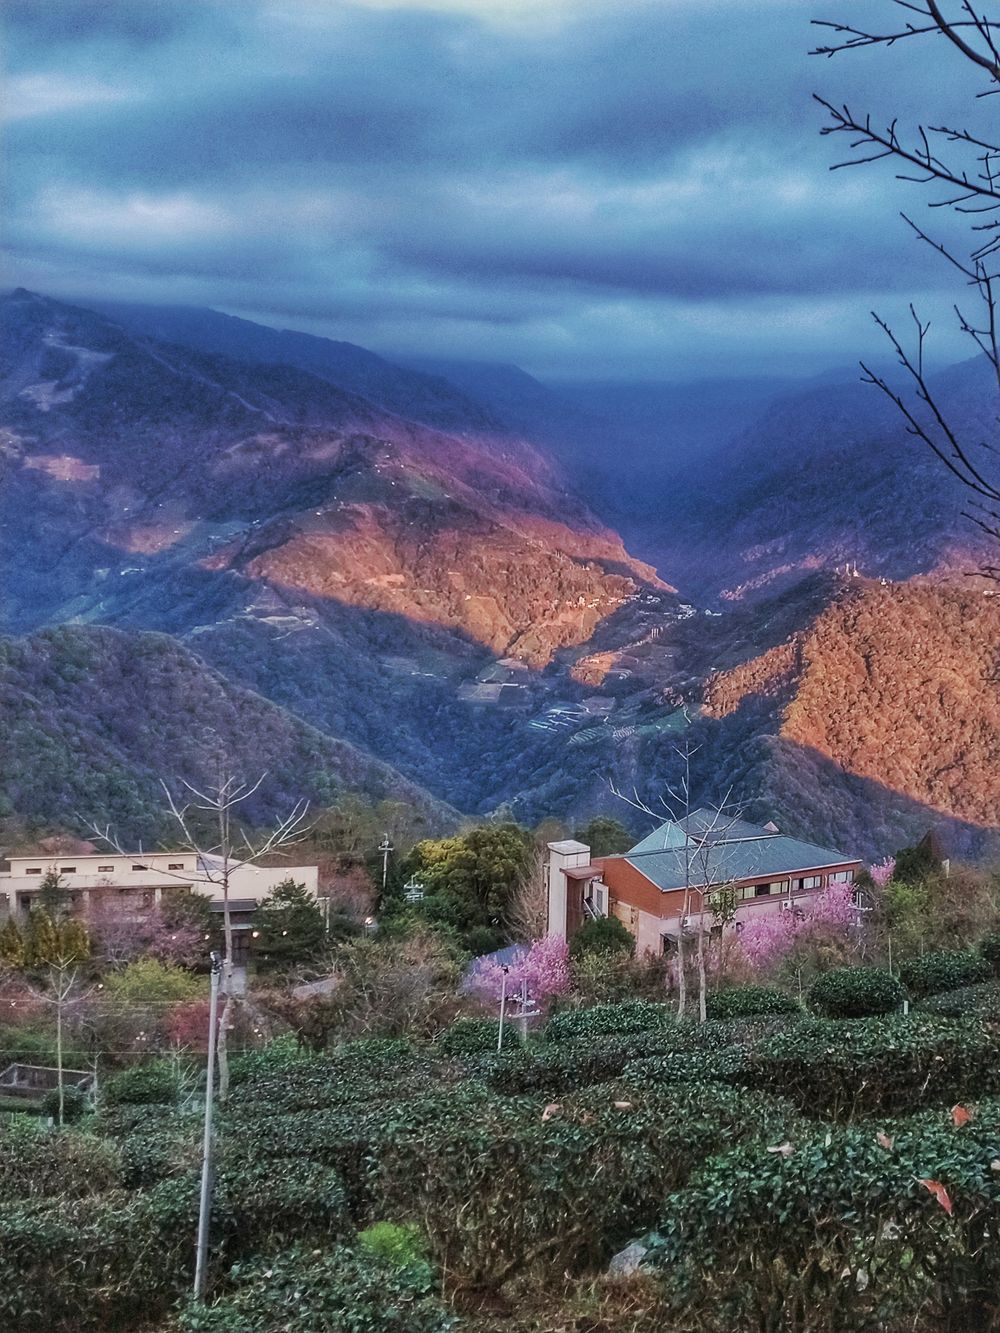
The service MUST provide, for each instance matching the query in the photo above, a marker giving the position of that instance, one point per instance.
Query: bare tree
(222, 849)
(962, 168)
(528, 913)
(702, 866)
(64, 991)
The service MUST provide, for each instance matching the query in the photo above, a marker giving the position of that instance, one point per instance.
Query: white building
(140, 880)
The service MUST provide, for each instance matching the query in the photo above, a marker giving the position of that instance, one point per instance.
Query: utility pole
(385, 847)
(503, 1007)
(205, 1202)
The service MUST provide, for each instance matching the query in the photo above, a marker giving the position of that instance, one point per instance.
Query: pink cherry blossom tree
(543, 966)
(883, 871)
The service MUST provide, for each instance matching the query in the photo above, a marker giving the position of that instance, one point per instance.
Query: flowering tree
(769, 938)
(543, 967)
(883, 872)
(120, 937)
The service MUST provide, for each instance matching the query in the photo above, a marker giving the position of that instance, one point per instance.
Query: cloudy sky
(586, 187)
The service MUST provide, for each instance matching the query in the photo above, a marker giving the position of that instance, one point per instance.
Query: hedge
(475, 1036)
(562, 1184)
(989, 948)
(856, 992)
(849, 1067)
(981, 1001)
(36, 1162)
(943, 970)
(339, 1291)
(838, 1228)
(749, 1001)
(608, 1020)
(97, 1263)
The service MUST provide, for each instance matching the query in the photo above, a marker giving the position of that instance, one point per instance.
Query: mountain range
(408, 580)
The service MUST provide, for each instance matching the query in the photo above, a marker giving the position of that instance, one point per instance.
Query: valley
(435, 581)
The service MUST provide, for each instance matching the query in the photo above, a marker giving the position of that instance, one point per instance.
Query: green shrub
(748, 1001)
(279, 1055)
(475, 1036)
(36, 1162)
(604, 935)
(401, 1246)
(337, 1290)
(981, 1001)
(989, 948)
(856, 992)
(147, 979)
(152, 1082)
(604, 1020)
(838, 1228)
(945, 969)
(75, 1103)
(848, 1067)
(568, 1182)
(550, 1071)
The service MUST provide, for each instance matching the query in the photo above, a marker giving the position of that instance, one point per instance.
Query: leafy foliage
(747, 1001)
(291, 926)
(602, 1020)
(604, 935)
(943, 970)
(856, 992)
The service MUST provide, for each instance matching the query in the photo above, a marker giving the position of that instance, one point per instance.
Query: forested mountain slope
(92, 720)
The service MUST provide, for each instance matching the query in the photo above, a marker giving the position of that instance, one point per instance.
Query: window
(140, 867)
(669, 943)
(105, 870)
(67, 870)
(175, 865)
(842, 877)
(715, 932)
(761, 890)
(35, 870)
(812, 881)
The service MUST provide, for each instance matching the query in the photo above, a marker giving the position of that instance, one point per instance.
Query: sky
(589, 188)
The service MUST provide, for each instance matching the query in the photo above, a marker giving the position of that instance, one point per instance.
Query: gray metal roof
(739, 851)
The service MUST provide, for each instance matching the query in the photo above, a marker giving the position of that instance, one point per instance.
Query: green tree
(470, 880)
(147, 979)
(43, 941)
(53, 896)
(13, 946)
(289, 925)
(605, 836)
(607, 935)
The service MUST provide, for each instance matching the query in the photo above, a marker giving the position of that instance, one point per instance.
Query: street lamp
(205, 1201)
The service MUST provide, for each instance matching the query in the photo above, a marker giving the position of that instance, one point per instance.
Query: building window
(35, 870)
(175, 865)
(140, 867)
(715, 932)
(842, 877)
(67, 870)
(669, 943)
(105, 870)
(761, 890)
(812, 881)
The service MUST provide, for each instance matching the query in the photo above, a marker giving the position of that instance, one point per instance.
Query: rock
(628, 1261)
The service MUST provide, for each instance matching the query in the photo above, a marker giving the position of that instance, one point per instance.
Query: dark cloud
(589, 176)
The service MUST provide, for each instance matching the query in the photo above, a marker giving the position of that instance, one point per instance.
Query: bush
(74, 1100)
(399, 1245)
(747, 1001)
(840, 1229)
(149, 1083)
(497, 1190)
(147, 979)
(475, 1036)
(603, 1020)
(856, 992)
(982, 1002)
(36, 1162)
(989, 948)
(844, 1068)
(550, 1071)
(945, 969)
(339, 1290)
(605, 935)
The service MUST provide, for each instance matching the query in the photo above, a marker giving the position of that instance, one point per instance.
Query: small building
(665, 883)
(137, 881)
